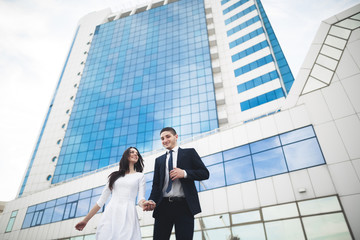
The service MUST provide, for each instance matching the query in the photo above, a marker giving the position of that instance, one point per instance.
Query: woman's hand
(80, 226)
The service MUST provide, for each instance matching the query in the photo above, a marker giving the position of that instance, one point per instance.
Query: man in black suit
(174, 197)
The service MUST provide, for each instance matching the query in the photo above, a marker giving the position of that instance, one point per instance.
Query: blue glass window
(212, 159)
(269, 163)
(239, 170)
(302, 154)
(217, 178)
(136, 81)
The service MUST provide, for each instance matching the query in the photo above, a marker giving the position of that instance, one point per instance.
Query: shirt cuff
(185, 174)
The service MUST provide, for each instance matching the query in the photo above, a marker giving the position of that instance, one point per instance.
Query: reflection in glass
(215, 221)
(217, 234)
(212, 159)
(264, 144)
(217, 178)
(320, 205)
(239, 170)
(249, 232)
(245, 217)
(89, 237)
(284, 230)
(303, 154)
(297, 135)
(236, 152)
(269, 163)
(280, 211)
(326, 227)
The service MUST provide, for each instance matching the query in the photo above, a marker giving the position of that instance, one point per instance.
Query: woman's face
(133, 156)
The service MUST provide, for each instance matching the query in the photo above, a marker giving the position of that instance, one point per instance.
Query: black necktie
(170, 165)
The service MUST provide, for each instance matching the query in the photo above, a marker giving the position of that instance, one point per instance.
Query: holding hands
(147, 205)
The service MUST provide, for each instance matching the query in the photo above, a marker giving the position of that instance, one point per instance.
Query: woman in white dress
(120, 219)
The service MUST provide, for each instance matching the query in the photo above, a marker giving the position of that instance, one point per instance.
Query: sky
(35, 39)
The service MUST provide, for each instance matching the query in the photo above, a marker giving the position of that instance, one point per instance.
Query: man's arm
(198, 171)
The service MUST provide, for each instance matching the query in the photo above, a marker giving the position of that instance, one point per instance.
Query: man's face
(168, 140)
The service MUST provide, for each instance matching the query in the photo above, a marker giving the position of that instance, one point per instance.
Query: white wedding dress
(120, 220)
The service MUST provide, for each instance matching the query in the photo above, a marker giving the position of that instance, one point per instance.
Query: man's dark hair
(169, 129)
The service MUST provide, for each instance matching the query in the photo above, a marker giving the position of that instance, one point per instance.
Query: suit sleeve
(155, 190)
(198, 171)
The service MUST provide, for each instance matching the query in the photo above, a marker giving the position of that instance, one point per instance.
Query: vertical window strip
(262, 99)
(240, 14)
(257, 81)
(234, 6)
(243, 25)
(11, 222)
(249, 51)
(251, 66)
(246, 37)
(284, 68)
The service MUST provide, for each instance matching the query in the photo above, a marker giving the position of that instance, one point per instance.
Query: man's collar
(175, 149)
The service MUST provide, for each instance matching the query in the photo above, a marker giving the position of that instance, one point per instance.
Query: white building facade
(283, 154)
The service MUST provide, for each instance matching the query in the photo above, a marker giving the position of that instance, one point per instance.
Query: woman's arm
(80, 226)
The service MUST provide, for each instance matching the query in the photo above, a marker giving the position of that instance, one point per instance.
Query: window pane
(217, 234)
(85, 194)
(284, 230)
(212, 159)
(249, 232)
(245, 217)
(89, 237)
(14, 213)
(329, 227)
(303, 154)
(47, 215)
(36, 215)
(281, 211)
(236, 152)
(321, 205)
(83, 207)
(216, 179)
(215, 221)
(297, 135)
(265, 144)
(239, 170)
(27, 220)
(269, 163)
(10, 225)
(58, 213)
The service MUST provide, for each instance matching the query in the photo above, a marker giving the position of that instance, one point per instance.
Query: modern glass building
(282, 152)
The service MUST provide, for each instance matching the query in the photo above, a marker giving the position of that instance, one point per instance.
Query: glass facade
(320, 218)
(67, 207)
(273, 223)
(290, 151)
(143, 72)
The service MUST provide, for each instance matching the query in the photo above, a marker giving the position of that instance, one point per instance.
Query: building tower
(215, 72)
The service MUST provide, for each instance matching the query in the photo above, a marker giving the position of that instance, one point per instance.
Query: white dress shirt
(176, 188)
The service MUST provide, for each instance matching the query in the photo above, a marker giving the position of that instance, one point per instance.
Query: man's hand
(176, 173)
(148, 205)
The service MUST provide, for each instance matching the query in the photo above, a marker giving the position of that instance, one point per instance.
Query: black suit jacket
(189, 160)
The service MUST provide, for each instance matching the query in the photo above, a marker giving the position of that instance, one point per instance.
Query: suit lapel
(179, 158)
(162, 169)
